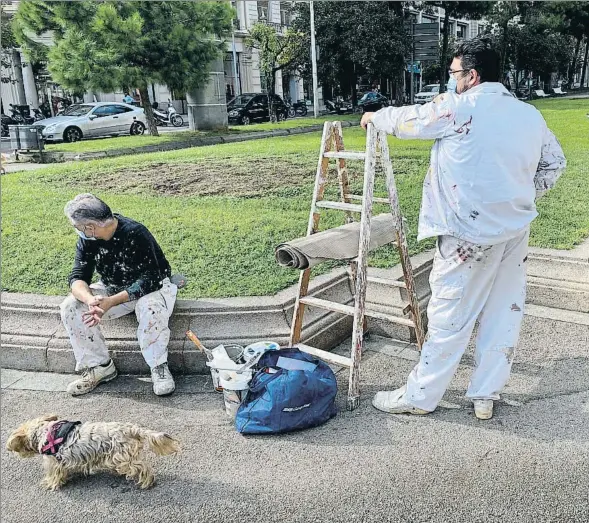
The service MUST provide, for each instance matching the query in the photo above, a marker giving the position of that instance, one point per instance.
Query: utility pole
(237, 82)
(314, 62)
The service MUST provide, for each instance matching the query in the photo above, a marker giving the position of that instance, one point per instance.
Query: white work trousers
(152, 310)
(471, 282)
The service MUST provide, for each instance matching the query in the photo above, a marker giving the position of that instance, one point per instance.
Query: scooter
(170, 116)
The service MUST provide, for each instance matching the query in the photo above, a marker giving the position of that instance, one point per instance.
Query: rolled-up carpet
(340, 243)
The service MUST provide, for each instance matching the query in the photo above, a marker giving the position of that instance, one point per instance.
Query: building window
(285, 17)
(461, 34)
(481, 29)
(262, 10)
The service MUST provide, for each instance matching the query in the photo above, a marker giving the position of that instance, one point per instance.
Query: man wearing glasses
(493, 156)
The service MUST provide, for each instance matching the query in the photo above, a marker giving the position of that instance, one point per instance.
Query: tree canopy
(112, 45)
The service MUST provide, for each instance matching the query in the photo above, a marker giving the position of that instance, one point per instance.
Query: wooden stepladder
(332, 146)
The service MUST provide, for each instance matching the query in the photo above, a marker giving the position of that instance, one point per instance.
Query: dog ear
(18, 441)
(49, 417)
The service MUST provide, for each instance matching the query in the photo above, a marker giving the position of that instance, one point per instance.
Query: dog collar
(56, 436)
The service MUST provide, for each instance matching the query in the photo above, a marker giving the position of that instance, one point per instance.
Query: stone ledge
(34, 339)
(59, 157)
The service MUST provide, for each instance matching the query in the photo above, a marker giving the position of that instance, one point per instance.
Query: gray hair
(87, 208)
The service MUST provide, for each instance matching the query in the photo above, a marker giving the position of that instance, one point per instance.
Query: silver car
(427, 94)
(90, 120)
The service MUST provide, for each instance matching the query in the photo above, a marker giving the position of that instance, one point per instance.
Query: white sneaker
(483, 409)
(91, 378)
(163, 382)
(392, 401)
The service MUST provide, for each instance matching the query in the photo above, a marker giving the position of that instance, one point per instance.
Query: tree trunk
(504, 49)
(443, 64)
(584, 69)
(151, 125)
(573, 66)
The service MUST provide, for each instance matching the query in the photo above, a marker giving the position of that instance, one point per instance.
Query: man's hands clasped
(97, 307)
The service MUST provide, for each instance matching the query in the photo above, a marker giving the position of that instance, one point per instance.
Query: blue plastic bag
(287, 400)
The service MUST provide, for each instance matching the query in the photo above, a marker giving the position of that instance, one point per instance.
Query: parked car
(427, 93)
(91, 120)
(251, 107)
(373, 101)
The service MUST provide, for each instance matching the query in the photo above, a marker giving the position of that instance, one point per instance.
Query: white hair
(87, 209)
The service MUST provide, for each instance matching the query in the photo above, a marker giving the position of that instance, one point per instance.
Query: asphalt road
(529, 464)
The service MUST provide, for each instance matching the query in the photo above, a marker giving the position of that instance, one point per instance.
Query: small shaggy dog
(74, 447)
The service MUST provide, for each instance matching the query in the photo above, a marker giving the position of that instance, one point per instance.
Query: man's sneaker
(91, 378)
(163, 382)
(392, 401)
(483, 409)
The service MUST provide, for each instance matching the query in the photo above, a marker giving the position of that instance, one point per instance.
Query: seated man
(134, 276)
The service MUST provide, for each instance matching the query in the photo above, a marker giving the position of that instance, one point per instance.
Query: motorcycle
(38, 115)
(170, 116)
(6, 121)
(339, 107)
(296, 109)
(19, 116)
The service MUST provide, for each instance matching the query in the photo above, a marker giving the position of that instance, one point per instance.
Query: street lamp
(314, 62)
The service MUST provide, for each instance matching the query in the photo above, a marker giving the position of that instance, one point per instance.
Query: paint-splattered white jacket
(493, 156)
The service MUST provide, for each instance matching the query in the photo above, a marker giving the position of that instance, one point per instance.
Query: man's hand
(97, 306)
(366, 119)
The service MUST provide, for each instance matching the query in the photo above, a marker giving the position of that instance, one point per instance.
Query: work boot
(163, 382)
(91, 378)
(393, 402)
(483, 409)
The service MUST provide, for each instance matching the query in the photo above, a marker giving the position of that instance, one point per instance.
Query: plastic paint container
(235, 387)
(253, 350)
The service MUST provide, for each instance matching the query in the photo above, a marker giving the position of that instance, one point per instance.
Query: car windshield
(368, 96)
(242, 99)
(77, 110)
(431, 89)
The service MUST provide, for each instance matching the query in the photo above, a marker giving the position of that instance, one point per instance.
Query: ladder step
(360, 198)
(329, 357)
(349, 310)
(340, 206)
(387, 281)
(345, 155)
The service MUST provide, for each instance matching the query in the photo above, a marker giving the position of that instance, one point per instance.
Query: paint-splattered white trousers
(471, 282)
(152, 310)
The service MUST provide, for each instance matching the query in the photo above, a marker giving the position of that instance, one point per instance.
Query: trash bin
(26, 138)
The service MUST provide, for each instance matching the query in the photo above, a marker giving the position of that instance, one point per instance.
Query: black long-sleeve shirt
(131, 260)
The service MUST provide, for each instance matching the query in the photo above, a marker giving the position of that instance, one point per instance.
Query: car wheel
(72, 134)
(177, 120)
(137, 128)
(245, 120)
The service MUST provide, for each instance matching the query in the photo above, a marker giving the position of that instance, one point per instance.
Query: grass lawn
(219, 211)
(122, 142)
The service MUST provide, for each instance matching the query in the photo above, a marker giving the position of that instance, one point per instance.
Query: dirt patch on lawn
(231, 177)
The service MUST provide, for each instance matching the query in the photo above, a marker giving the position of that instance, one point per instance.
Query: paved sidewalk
(528, 464)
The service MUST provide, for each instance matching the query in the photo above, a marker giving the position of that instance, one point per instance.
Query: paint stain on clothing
(465, 127)
(515, 307)
(474, 214)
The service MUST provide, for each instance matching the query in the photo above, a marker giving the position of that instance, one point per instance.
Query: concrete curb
(33, 338)
(60, 157)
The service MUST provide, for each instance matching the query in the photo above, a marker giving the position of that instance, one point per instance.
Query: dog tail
(161, 443)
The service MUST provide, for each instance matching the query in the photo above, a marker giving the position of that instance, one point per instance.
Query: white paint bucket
(255, 349)
(235, 387)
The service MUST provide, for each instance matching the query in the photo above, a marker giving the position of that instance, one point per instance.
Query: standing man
(134, 277)
(493, 156)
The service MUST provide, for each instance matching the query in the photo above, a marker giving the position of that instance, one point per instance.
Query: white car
(90, 120)
(427, 94)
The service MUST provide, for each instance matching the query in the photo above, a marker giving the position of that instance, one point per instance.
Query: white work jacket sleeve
(551, 166)
(429, 121)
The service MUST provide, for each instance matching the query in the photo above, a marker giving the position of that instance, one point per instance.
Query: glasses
(450, 72)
